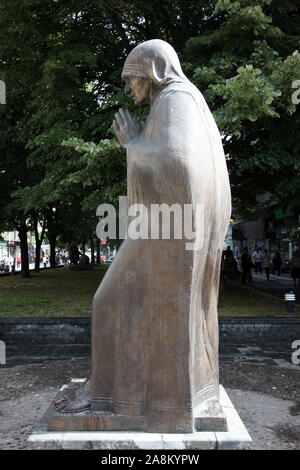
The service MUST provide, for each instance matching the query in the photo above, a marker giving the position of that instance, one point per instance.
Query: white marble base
(236, 437)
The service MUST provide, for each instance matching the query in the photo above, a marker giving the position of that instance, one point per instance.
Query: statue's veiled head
(151, 66)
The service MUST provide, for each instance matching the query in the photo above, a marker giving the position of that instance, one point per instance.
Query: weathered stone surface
(155, 339)
(95, 421)
(236, 437)
(154, 318)
(209, 416)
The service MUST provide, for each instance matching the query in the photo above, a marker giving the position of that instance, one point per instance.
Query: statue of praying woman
(154, 316)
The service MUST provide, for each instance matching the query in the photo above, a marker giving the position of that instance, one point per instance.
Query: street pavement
(277, 285)
(31, 268)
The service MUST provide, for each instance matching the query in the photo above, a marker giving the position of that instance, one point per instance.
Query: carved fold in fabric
(133, 70)
(155, 60)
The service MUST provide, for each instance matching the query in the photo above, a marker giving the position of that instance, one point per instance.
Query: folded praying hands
(126, 127)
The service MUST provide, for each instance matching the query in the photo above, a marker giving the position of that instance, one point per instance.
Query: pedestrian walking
(230, 265)
(266, 264)
(257, 258)
(277, 262)
(295, 265)
(45, 259)
(11, 262)
(246, 266)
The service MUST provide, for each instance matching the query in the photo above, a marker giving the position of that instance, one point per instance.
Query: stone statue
(154, 318)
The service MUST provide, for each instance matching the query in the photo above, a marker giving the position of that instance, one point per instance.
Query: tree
(246, 67)
(38, 220)
(69, 56)
(62, 62)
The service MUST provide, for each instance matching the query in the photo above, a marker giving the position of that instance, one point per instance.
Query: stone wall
(259, 330)
(77, 330)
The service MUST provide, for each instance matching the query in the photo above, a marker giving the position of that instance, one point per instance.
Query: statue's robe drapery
(154, 321)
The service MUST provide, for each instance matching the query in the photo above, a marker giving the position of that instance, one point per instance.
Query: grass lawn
(65, 293)
(50, 293)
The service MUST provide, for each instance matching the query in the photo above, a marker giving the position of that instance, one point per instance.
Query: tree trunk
(24, 250)
(52, 220)
(38, 245)
(92, 251)
(98, 251)
(52, 241)
(83, 247)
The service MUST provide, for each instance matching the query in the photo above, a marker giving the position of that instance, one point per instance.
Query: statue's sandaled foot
(75, 399)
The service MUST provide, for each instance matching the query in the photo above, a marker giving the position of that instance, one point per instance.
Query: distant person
(230, 265)
(6, 264)
(295, 265)
(1, 266)
(246, 264)
(266, 263)
(257, 257)
(222, 270)
(45, 260)
(277, 262)
(228, 252)
(11, 262)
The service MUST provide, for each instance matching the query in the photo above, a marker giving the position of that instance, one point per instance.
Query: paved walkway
(279, 354)
(277, 285)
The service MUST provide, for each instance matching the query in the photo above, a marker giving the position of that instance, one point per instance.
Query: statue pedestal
(208, 417)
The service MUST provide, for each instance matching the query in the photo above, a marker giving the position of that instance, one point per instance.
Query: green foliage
(247, 96)
(102, 167)
(245, 68)
(62, 61)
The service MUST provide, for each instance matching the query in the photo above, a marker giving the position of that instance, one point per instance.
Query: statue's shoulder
(180, 91)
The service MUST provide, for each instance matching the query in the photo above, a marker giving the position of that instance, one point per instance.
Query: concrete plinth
(236, 437)
(208, 416)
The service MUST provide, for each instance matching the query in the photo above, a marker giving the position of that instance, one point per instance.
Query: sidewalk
(31, 268)
(18, 268)
(277, 285)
